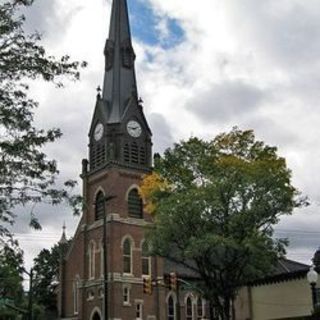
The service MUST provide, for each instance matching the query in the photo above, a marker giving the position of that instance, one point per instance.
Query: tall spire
(119, 80)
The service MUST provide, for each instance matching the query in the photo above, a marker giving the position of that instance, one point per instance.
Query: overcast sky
(202, 67)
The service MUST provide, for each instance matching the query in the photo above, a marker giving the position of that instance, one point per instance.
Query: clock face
(98, 131)
(134, 128)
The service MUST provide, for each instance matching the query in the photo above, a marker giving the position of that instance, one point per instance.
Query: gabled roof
(285, 270)
(182, 270)
(287, 266)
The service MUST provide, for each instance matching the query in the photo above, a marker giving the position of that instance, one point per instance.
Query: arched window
(96, 316)
(127, 256)
(135, 205)
(200, 307)
(91, 259)
(171, 310)
(145, 259)
(100, 206)
(189, 309)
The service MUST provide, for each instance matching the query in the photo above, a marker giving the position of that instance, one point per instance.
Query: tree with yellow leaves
(215, 204)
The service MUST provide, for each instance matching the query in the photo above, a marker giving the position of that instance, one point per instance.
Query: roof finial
(99, 92)
(63, 239)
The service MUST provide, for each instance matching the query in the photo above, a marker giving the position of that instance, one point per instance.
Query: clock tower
(102, 273)
(119, 134)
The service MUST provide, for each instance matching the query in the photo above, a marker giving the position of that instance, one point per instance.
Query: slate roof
(285, 270)
(286, 265)
(119, 79)
(181, 270)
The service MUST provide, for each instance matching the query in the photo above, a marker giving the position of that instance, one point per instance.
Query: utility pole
(178, 303)
(105, 262)
(105, 271)
(30, 297)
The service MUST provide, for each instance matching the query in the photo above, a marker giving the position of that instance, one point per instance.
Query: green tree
(27, 176)
(11, 280)
(215, 204)
(46, 271)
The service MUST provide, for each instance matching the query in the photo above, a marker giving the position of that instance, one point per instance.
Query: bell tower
(119, 133)
(108, 259)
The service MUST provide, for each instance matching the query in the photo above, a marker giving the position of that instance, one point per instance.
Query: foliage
(215, 204)
(152, 184)
(26, 174)
(46, 271)
(11, 279)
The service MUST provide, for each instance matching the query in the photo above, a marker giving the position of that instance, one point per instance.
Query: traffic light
(166, 280)
(170, 280)
(147, 285)
(173, 281)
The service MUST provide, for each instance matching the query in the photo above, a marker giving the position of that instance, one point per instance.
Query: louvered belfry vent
(134, 154)
(97, 155)
(142, 156)
(126, 153)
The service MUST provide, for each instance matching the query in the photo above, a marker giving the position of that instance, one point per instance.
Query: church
(106, 272)
(103, 271)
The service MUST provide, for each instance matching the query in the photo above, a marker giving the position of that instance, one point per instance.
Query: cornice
(115, 217)
(116, 165)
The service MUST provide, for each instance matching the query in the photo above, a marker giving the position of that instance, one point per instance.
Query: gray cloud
(272, 132)
(47, 215)
(287, 32)
(225, 101)
(51, 219)
(162, 138)
(302, 231)
(46, 17)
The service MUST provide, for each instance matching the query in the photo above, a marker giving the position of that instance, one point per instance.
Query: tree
(11, 279)
(215, 205)
(27, 176)
(46, 271)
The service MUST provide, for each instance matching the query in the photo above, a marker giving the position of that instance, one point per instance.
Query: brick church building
(102, 272)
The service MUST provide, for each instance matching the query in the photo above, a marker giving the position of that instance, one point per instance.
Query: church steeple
(63, 240)
(119, 133)
(119, 79)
